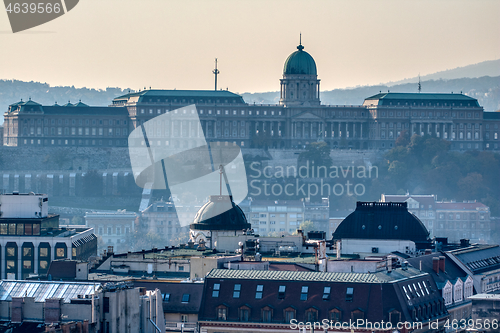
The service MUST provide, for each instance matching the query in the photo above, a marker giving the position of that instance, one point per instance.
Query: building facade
(297, 120)
(276, 301)
(450, 219)
(30, 237)
(114, 229)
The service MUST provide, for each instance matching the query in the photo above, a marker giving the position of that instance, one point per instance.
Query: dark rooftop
(382, 220)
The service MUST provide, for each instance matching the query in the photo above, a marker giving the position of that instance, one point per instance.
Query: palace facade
(297, 120)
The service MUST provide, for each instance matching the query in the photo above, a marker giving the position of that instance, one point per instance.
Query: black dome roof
(382, 220)
(220, 213)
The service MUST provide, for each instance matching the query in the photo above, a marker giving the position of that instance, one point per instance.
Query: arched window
(221, 312)
(244, 313)
(289, 314)
(394, 317)
(267, 314)
(311, 315)
(335, 315)
(357, 314)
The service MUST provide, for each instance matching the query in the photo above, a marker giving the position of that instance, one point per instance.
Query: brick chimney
(17, 306)
(435, 264)
(441, 263)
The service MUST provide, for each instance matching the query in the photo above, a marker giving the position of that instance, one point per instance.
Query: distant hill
(12, 91)
(485, 68)
(486, 89)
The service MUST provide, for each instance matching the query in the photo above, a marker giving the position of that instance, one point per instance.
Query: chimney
(435, 264)
(441, 263)
(428, 251)
(389, 264)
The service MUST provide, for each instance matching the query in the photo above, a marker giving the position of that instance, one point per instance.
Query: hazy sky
(172, 44)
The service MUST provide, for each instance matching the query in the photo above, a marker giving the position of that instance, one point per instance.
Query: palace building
(297, 120)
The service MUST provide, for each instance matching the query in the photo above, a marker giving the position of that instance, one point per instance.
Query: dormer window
(303, 293)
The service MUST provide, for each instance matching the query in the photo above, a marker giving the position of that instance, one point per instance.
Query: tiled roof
(452, 270)
(479, 258)
(310, 276)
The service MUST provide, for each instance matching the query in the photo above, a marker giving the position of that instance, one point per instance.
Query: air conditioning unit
(374, 249)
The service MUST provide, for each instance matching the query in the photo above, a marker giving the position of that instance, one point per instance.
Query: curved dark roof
(220, 213)
(382, 220)
(300, 62)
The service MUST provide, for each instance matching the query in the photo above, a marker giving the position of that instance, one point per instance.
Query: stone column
(27, 183)
(72, 182)
(50, 184)
(104, 178)
(16, 183)
(6, 179)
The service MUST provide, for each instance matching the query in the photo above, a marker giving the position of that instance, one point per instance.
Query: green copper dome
(300, 62)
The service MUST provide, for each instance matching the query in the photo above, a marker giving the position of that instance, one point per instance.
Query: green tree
(92, 184)
(317, 153)
(306, 226)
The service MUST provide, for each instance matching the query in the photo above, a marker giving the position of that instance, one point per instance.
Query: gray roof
(379, 277)
(386, 98)
(182, 94)
(46, 289)
(479, 258)
(491, 115)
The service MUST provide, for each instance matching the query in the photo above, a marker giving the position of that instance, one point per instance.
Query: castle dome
(220, 213)
(300, 62)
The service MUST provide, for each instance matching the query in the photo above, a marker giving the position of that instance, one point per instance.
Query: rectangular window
(26, 251)
(215, 292)
(60, 253)
(3, 229)
(166, 297)
(259, 291)
(36, 229)
(28, 229)
(237, 290)
(326, 293)
(281, 292)
(11, 252)
(185, 298)
(44, 264)
(349, 294)
(27, 264)
(303, 293)
(20, 229)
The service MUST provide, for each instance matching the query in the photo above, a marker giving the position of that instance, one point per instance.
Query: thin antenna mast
(419, 85)
(216, 72)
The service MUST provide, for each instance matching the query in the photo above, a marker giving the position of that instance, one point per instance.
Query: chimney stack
(435, 264)
(441, 263)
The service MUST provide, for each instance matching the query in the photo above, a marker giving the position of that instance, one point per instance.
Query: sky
(170, 44)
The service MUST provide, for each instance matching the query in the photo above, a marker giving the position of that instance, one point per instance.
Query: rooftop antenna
(228, 188)
(216, 72)
(300, 47)
(419, 85)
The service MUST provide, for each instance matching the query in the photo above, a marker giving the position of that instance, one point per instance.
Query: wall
(351, 246)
